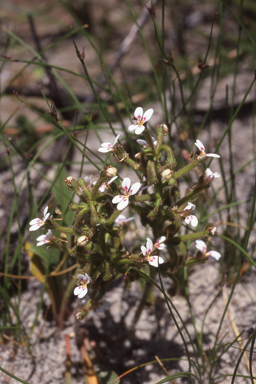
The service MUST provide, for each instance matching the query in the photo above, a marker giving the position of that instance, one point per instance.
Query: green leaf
(105, 375)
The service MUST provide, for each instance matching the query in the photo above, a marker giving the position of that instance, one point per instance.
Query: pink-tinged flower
(203, 154)
(159, 244)
(37, 223)
(108, 147)
(145, 144)
(190, 219)
(200, 244)
(121, 219)
(105, 185)
(123, 200)
(82, 289)
(141, 118)
(210, 176)
(44, 239)
(146, 251)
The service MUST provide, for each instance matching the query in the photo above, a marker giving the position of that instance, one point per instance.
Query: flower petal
(149, 245)
(190, 207)
(155, 260)
(83, 292)
(104, 150)
(194, 221)
(135, 188)
(126, 183)
(200, 244)
(212, 155)
(147, 115)
(40, 243)
(123, 204)
(117, 199)
(117, 137)
(35, 227)
(87, 278)
(41, 238)
(159, 244)
(138, 113)
(107, 145)
(36, 221)
(80, 277)
(77, 290)
(200, 146)
(111, 180)
(143, 250)
(214, 255)
(142, 142)
(46, 216)
(139, 130)
(132, 127)
(45, 211)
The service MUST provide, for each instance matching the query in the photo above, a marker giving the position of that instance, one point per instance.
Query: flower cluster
(99, 232)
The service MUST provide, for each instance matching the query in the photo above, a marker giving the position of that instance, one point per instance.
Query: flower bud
(82, 240)
(68, 180)
(111, 171)
(138, 155)
(58, 211)
(165, 129)
(167, 174)
(212, 230)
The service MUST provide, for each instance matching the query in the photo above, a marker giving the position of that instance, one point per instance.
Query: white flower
(159, 244)
(145, 144)
(123, 200)
(190, 219)
(82, 289)
(209, 175)
(37, 223)
(44, 239)
(140, 120)
(121, 219)
(105, 185)
(200, 244)
(146, 251)
(108, 147)
(189, 207)
(201, 148)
